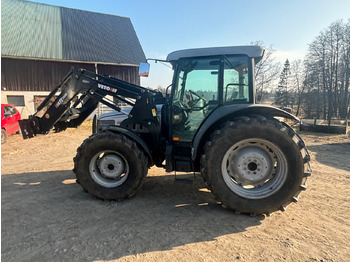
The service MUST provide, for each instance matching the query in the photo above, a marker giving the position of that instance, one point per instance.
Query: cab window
(236, 80)
(195, 95)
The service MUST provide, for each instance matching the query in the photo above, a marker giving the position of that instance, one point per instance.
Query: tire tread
(263, 121)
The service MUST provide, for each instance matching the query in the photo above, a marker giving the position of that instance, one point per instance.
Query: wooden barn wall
(32, 75)
(126, 73)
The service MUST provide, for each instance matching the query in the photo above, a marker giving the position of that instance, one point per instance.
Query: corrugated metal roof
(30, 30)
(36, 30)
(89, 36)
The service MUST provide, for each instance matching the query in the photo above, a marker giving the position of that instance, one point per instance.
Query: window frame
(220, 92)
(10, 97)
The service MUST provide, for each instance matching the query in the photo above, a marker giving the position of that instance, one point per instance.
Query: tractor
(207, 123)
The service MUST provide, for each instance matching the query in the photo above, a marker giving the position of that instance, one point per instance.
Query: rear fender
(229, 112)
(136, 138)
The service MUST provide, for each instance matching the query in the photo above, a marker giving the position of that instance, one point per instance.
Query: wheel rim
(254, 168)
(109, 169)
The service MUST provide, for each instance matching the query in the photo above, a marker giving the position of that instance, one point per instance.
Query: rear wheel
(255, 165)
(110, 166)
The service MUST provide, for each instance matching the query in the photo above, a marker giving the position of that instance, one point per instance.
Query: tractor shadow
(334, 155)
(47, 216)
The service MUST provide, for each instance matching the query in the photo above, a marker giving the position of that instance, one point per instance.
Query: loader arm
(79, 94)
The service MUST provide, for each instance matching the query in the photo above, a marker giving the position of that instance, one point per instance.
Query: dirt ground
(45, 215)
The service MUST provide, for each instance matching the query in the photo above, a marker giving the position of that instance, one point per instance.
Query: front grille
(104, 124)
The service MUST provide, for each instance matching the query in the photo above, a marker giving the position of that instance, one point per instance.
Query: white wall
(28, 109)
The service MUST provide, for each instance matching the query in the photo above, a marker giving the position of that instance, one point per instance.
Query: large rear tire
(110, 166)
(255, 165)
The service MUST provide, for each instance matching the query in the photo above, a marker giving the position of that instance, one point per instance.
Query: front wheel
(110, 166)
(3, 136)
(255, 165)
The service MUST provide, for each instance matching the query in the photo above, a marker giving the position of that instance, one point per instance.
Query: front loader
(209, 123)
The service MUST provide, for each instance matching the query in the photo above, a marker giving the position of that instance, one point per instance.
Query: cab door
(195, 96)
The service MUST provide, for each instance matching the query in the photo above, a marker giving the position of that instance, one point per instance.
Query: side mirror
(144, 69)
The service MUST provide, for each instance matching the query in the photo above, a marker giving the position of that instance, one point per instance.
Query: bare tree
(298, 76)
(327, 65)
(345, 72)
(266, 71)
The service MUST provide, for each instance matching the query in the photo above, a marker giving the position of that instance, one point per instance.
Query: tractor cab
(204, 80)
(207, 78)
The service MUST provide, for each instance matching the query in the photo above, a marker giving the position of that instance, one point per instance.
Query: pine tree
(283, 94)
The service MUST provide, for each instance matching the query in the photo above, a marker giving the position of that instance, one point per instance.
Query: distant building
(40, 43)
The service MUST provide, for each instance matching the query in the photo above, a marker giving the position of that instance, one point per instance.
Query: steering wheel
(180, 113)
(194, 101)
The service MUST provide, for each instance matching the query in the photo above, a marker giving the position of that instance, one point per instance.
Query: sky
(166, 26)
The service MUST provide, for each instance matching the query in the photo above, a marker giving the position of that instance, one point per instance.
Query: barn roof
(40, 31)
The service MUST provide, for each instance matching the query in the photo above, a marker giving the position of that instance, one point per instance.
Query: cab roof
(255, 52)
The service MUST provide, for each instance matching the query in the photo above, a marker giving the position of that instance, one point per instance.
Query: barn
(40, 43)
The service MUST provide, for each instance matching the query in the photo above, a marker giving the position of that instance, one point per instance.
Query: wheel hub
(109, 169)
(254, 168)
(111, 166)
(251, 166)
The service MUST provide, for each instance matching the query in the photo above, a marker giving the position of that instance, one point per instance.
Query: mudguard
(227, 112)
(135, 137)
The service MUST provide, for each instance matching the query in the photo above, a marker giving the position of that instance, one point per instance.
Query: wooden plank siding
(37, 75)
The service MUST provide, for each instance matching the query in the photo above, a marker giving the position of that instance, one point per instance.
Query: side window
(236, 85)
(9, 111)
(204, 82)
(6, 110)
(179, 89)
(200, 77)
(12, 110)
(195, 96)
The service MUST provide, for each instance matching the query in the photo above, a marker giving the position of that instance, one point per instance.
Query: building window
(16, 100)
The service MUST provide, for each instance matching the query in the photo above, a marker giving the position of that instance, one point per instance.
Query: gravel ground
(47, 217)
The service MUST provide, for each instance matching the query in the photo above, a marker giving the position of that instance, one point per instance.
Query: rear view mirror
(144, 69)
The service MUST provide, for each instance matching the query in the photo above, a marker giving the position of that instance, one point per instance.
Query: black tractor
(208, 123)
